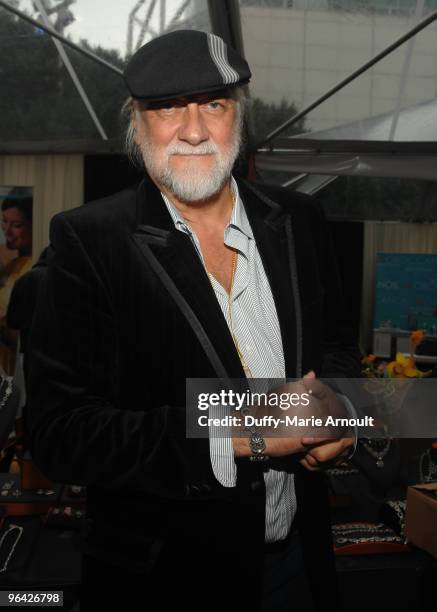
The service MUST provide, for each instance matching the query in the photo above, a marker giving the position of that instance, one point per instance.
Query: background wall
(299, 54)
(58, 184)
(389, 238)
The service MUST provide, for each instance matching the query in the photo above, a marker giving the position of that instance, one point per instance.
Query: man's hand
(323, 453)
(320, 446)
(279, 442)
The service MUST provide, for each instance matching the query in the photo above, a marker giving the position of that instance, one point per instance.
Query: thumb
(310, 374)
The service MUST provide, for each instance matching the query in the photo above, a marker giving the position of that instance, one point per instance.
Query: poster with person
(16, 209)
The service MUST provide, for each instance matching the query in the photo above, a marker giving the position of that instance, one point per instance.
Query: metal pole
(73, 75)
(131, 23)
(180, 11)
(55, 34)
(397, 43)
(405, 68)
(145, 24)
(162, 17)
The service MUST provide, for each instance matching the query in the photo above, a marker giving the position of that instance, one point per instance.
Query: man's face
(189, 145)
(17, 230)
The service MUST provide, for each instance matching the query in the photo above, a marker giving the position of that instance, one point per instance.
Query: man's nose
(193, 128)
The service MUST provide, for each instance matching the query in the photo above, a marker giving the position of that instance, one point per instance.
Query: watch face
(256, 442)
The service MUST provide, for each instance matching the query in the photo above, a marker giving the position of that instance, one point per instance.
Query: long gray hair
(133, 151)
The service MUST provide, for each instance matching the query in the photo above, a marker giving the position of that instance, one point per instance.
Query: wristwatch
(256, 441)
(257, 446)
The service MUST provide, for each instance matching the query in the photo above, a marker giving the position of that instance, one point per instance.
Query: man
(193, 275)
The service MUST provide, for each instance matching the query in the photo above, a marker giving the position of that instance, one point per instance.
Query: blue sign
(406, 291)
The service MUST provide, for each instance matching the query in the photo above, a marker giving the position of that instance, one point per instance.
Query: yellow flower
(404, 367)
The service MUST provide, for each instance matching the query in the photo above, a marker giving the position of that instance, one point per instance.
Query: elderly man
(195, 274)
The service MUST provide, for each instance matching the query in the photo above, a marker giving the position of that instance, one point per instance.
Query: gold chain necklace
(246, 368)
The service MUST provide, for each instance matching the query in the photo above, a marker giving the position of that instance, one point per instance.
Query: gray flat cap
(183, 63)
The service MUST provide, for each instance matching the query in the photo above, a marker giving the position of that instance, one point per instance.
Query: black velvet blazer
(125, 315)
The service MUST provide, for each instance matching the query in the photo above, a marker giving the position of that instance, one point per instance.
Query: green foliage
(39, 100)
(266, 117)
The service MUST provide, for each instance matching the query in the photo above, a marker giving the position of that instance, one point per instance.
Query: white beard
(192, 185)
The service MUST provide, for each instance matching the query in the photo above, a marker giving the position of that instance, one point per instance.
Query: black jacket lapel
(171, 254)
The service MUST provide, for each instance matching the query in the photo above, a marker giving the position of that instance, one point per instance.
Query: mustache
(204, 148)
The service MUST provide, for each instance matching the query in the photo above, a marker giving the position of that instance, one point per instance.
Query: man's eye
(214, 105)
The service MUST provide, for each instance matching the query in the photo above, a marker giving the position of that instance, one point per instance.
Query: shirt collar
(238, 219)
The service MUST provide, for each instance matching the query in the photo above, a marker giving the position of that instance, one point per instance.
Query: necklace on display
(377, 454)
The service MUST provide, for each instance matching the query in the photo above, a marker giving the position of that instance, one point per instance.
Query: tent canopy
(57, 99)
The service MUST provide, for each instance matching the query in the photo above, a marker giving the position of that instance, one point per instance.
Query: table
(381, 583)
(43, 559)
(51, 559)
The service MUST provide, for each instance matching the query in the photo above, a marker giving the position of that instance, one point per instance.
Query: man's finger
(327, 452)
(315, 386)
(311, 460)
(310, 374)
(308, 466)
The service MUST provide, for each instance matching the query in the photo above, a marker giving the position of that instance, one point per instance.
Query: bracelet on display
(359, 533)
(342, 471)
(427, 467)
(8, 382)
(9, 530)
(393, 514)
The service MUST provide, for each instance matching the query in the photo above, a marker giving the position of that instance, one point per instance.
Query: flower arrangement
(389, 382)
(403, 366)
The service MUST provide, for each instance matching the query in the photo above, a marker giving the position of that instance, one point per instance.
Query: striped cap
(182, 63)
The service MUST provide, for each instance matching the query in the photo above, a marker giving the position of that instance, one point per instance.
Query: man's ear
(137, 122)
(135, 128)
